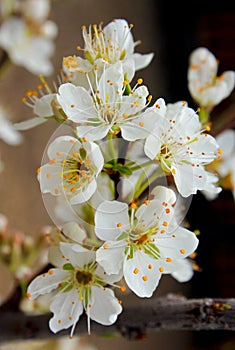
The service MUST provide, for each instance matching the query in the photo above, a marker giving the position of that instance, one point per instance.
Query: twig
(159, 314)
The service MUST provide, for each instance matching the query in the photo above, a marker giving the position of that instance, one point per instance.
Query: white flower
(42, 108)
(226, 165)
(181, 147)
(107, 109)
(111, 44)
(205, 86)
(26, 48)
(8, 132)
(144, 245)
(72, 169)
(81, 284)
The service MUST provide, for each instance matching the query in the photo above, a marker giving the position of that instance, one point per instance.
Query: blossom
(43, 108)
(72, 169)
(107, 109)
(181, 147)
(144, 244)
(80, 284)
(8, 132)
(205, 86)
(26, 48)
(108, 45)
(225, 165)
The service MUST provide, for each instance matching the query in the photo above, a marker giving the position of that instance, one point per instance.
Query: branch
(165, 313)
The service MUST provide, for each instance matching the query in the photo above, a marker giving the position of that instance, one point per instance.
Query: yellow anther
(136, 271)
(105, 246)
(125, 115)
(150, 98)
(145, 278)
(51, 272)
(161, 269)
(141, 124)
(182, 251)
(150, 267)
(168, 260)
(38, 170)
(133, 206)
(220, 151)
(146, 202)
(165, 223)
(123, 289)
(119, 224)
(140, 81)
(73, 189)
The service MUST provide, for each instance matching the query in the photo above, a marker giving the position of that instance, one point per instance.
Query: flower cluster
(120, 166)
(26, 34)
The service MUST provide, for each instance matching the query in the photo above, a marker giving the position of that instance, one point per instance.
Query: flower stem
(113, 153)
(158, 173)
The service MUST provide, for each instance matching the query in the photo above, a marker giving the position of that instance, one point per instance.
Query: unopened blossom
(205, 86)
(111, 44)
(26, 47)
(107, 108)
(178, 143)
(72, 169)
(144, 243)
(80, 284)
(8, 132)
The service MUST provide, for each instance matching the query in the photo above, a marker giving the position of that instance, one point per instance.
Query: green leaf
(123, 169)
(68, 266)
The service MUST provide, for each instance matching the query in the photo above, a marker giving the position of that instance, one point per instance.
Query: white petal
(180, 244)
(63, 145)
(84, 195)
(30, 123)
(45, 283)
(184, 271)
(67, 309)
(226, 141)
(74, 231)
(43, 107)
(50, 179)
(111, 219)
(104, 307)
(164, 194)
(142, 274)
(111, 255)
(142, 61)
(77, 255)
(93, 133)
(76, 102)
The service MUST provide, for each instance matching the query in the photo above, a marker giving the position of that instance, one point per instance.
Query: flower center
(83, 277)
(76, 170)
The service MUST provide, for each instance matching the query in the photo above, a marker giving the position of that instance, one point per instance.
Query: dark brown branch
(166, 313)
